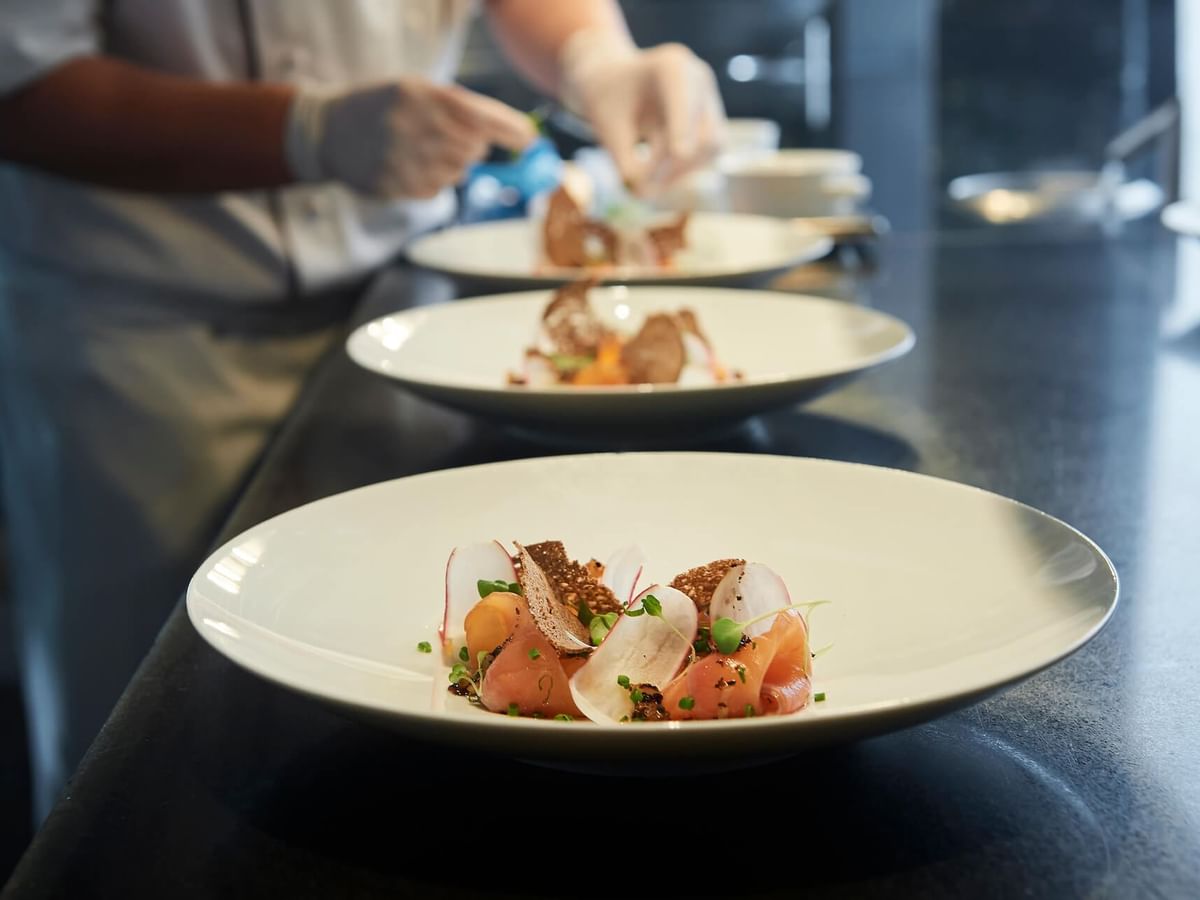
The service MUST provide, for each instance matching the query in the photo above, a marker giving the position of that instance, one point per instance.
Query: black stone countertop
(1064, 373)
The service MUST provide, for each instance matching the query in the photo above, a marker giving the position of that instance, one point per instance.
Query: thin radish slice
(747, 592)
(622, 571)
(645, 648)
(466, 567)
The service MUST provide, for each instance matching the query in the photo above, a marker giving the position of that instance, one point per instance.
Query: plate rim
(458, 728)
(898, 350)
(820, 245)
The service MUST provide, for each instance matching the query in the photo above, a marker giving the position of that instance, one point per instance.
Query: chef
(191, 192)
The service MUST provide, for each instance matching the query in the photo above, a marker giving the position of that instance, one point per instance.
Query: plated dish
(532, 632)
(721, 248)
(574, 240)
(775, 350)
(940, 594)
(575, 347)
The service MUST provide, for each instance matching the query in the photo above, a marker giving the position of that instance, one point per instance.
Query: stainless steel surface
(1069, 196)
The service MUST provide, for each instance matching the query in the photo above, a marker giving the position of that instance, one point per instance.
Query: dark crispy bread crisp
(669, 239)
(700, 582)
(556, 620)
(656, 354)
(572, 240)
(688, 322)
(570, 321)
(572, 582)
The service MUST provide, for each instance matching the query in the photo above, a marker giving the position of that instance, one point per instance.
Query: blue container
(502, 190)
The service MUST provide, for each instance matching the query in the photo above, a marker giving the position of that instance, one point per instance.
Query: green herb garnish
(462, 654)
(585, 613)
(636, 696)
(424, 647)
(749, 711)
(514, 710)
(727, 634)
(600, 626)
(534, 653)
(651, 604)
(818, 698)
(563, 717)
(566, 362)
(623, 680)
(687, 702)
(491, 587)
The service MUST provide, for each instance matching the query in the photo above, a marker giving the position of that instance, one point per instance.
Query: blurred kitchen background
(924, 91)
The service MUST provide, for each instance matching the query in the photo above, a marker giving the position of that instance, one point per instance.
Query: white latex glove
(407, 138)
(665, 96)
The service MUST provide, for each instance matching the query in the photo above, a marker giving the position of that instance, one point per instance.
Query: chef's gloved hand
(665, 96)
(406, 138)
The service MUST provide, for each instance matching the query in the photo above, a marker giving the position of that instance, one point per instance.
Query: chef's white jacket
(235, 245)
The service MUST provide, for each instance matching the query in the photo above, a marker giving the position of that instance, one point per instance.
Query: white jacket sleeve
(38, 35)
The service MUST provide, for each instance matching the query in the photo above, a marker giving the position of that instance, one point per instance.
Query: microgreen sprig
(727, 634)
(491, 587)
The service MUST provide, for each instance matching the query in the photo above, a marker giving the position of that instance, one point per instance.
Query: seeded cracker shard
(700, 582)
(557, 621)
(572, 582)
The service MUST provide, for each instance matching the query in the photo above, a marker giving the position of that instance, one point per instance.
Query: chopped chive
(534, 653)
(817, 698)
(749, 711)
(636, 696)
(463, 654)
(424, 647)
(563, 717)
(741, 670)
(514, 710)
(687, 702)
(623, 680)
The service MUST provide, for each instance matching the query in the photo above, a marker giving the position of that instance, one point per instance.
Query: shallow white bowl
(723, 248)
(940, 594)
(789, 348)
(797, 182)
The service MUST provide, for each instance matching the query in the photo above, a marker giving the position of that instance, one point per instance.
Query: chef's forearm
(103, 121)
(532, 32)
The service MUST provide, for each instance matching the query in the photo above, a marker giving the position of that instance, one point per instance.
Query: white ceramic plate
(788, 347)
(1182, 217)
(723, 248)
(940, 594)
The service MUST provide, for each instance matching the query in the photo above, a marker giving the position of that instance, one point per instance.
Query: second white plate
(723, 248)
(788, 347)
